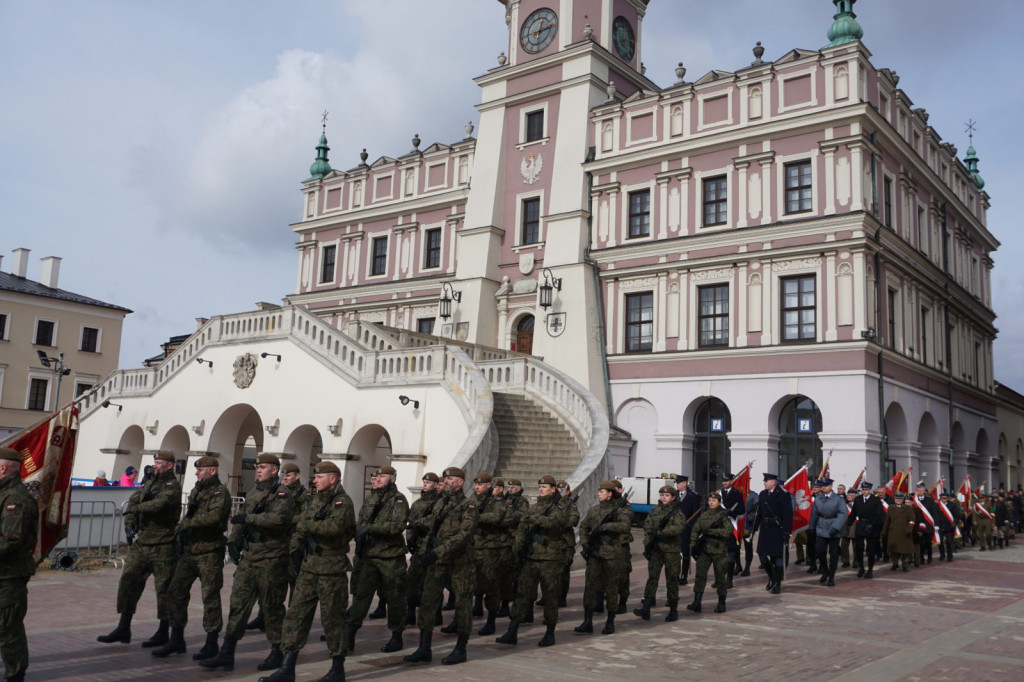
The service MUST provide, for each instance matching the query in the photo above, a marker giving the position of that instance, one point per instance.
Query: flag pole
(17, 434)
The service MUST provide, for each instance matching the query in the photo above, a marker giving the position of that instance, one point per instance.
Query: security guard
(200, 542)
(320, 549)
(154, 511)
(19, 515)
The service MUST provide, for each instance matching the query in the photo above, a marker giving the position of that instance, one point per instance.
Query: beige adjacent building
(38, 317)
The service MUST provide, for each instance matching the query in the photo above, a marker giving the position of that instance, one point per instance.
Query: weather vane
(324, 119)
(970, 130)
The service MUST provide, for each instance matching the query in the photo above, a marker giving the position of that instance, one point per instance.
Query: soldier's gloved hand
(599, 529)
(428, 557)
(834, 533)
(238, 519)
(234, 553)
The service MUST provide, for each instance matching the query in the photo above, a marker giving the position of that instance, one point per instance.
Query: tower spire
(845, 28)
(971, 159)
(321, 166)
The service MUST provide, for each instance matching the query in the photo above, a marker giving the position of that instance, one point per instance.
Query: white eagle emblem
(531, 167)
(802, 501)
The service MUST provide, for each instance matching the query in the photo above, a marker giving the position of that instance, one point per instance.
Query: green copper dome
(321, 166)
(845, 28)
(971, 161)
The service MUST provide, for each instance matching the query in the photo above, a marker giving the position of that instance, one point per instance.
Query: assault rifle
(414, 531)
(649, 547)
(309, 544)
(533, 535)
(432, 541)
(180, 535)
(596, 537)
(247, 533)
(363, 532)
(131, 531)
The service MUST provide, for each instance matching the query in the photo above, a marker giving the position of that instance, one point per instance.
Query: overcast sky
(158, 147)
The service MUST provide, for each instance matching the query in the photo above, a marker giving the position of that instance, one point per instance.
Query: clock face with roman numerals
(623, 38)
(539, 29)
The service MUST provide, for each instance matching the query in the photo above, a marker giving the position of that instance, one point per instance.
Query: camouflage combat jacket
(492, 531)
(716, 528)
(330, 521)
(419, 521)
(385, 539)
(269, 529)
(206, 516)
(544, 528)
(19, 516)
(668, 536)
(614, 533)
(458, 519)
(157, 516)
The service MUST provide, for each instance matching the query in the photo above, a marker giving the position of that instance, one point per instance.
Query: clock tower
(522, 263)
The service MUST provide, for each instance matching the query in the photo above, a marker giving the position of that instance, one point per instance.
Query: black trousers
(858, 549)
(823, 545)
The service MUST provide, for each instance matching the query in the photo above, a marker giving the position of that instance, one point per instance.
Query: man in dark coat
(689, 505)
(924, 540)
(947, 525)
(866, 518)
(735, 507)
(773, 523)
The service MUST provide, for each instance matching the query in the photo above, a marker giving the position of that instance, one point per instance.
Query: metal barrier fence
(95, 531)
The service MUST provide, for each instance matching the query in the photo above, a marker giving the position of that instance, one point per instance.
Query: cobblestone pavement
(950, 621)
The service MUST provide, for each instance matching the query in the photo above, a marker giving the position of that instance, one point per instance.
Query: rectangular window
(535, 126)
(798, 308)
(925, 322)
(715, 201)
(639, 322)
(380, 256)
(887, 202)
(90, 340)
(37, 394)
(798, 187)
(922, 230)
(328, 257)
(432, 248)
(531, 221)
(425, 325)
(82, 389)
(44, 332)
(892, 318)
(640, 213)
(3, 326)
(713, 316)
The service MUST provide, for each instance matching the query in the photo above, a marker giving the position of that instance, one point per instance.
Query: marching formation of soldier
(491, 547)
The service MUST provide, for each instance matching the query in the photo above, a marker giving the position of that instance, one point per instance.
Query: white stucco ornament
(244, 370)
(531, 167)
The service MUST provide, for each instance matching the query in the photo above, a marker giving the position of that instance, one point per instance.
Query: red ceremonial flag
(47, 456)
(799, 486)
(893, 486)
(905, 483)
(856, 484)
(742, 483)
(938, 489)
(965, 494)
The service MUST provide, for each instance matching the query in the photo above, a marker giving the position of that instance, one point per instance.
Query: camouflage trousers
(266, 582)
(208, 567)
(549, 575)
(462, 577)
(624, 578)
(721, 564)
(13, 641)
(983, 530)
(671, 563)
(491, 565)
(143, 561)
(331, 591)
(604, 575)
(414, 576)
(387, 576)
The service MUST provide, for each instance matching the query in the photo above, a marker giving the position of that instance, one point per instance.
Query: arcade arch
(239, 427)
(372, 444)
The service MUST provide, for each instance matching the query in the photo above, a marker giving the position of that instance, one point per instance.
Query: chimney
(49, 271)
(1, 263)
(20, 266)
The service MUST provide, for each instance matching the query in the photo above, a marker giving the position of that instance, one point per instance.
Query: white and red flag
(47, 456)
(965, 495)
(799, 486)
(741, 482)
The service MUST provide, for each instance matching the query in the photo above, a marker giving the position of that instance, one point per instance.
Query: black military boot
(824, 575)
(770, 570)
(695, 604)
(176, 644)
(599, 608)
(452, 627)
(623, 606)
(159, 638)
(673, 613)
(423, 654)
(720, 608)
(830, 578)
(337, 671)
(587, 626)
(286, 671)
(746, 567)
(549, 637)
(609, 625)
(503, 612)
(777, 587)
(350, 632)
(458, 654)
(394, 644)
(209, 649)
(645, 609)
(381, 611)
(225, 658)
(511, 635)
(478, 606)
(861, 571)
(489, 628)
(273, 660)
(122, 633)
(728, 577)
(257, 622)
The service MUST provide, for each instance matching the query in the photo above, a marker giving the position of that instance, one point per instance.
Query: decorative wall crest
(643, 283)
(526, 262)
(555, 323)
(524, 286)
(708, 275)
(798, 264)
(531, 167)
(244, 370)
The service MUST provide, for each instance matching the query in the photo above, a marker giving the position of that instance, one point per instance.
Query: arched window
(799, 425)
(711, 454)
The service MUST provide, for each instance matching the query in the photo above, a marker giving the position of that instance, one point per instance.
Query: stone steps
(532, 442)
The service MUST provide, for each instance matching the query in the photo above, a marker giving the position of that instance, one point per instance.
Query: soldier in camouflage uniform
(420, 514)
(518, 507)
(569, 546)
(448, 555)
(200, 541)
(627, 556)
(319, 549)
(491, 548)
(539, 546)
(662, 531)
(19, 516)
(711, 534)
(259, 545)
(154, 510)
(602, 531)
(380, 551)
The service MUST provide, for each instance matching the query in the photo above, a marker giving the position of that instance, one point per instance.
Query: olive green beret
(267, 458)
(667, 489)
(431, 476)
(164, 455)
(482, 478)
(10, 454)
(389, 470)
(290, 468)
(498, 483)
(206, 461)
(327, 468)
(547, 480)
(608, 485)
(454, 472)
